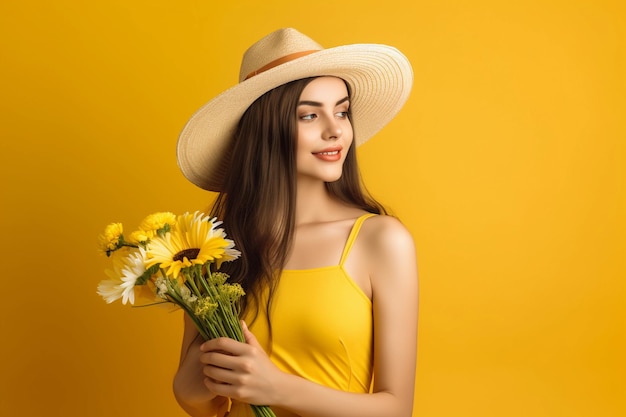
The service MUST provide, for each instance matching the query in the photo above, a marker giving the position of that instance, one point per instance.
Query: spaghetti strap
(353, 234)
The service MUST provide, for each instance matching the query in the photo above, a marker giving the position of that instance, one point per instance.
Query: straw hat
(380, 79)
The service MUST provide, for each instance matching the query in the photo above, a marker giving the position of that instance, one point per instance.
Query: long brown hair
(257, 203)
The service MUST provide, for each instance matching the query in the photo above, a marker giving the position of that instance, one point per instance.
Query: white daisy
(123, 277)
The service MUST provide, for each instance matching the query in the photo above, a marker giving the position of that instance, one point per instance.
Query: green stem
(192, 285)
(262, 411)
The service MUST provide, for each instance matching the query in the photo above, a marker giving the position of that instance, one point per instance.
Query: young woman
(331, 281)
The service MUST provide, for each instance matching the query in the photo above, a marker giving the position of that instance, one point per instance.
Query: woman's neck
(314, 204)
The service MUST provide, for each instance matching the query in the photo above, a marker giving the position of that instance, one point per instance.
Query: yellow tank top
(321, 328)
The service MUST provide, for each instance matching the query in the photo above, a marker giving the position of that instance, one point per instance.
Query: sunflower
(193, 241)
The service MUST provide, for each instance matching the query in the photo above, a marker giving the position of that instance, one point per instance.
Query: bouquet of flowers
(170, 259)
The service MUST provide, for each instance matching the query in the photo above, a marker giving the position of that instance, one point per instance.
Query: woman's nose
(332, 130)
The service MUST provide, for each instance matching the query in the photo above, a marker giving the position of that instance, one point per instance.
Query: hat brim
(380, 80)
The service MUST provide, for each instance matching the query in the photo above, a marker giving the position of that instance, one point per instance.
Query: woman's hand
(241, 371)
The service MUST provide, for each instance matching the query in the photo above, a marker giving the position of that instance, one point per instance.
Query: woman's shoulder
(383, 254)
(386, 230)
(387, 241)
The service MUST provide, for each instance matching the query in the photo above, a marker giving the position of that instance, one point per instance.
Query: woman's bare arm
(189, 388)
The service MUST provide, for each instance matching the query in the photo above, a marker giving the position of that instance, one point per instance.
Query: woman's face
(324, 130)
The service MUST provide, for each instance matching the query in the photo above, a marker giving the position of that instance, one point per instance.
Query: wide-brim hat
(379, 77)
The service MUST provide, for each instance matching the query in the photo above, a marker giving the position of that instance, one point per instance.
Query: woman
(330, 280)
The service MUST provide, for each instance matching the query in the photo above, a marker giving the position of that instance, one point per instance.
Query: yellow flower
(217, 278)
(194, 241)
(138, 237)
(110, 239)
(205, 307)
(153, 223)
(232, 292)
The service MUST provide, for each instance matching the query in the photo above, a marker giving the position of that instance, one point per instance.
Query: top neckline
(356, 227)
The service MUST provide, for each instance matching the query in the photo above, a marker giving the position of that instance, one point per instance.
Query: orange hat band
(279, 61)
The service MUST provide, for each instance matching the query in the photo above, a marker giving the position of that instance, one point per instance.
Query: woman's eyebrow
(318, 104)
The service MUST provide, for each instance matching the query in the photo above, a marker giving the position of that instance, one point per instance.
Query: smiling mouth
(330, 155)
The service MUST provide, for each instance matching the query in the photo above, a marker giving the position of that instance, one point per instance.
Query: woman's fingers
(225, 345)
(239, 370)
(222, 360)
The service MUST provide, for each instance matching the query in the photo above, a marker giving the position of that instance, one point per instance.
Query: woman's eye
(308, 116)
(342, 114)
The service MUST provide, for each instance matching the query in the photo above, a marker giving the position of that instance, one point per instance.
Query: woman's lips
(329, 155)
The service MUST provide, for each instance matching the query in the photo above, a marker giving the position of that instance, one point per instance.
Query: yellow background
(507, 164)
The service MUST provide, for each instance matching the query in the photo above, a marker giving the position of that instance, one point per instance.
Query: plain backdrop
(507, 164)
